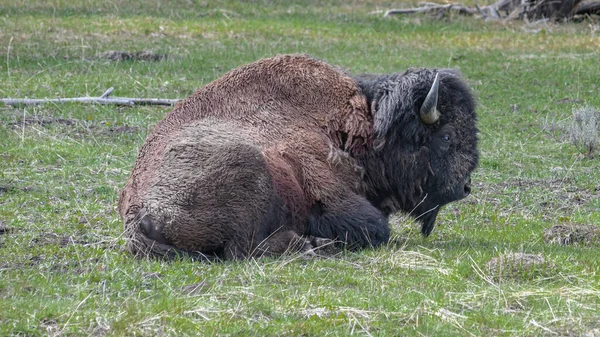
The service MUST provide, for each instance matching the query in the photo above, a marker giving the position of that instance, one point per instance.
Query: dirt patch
(567, 100)
(119, 55)
(41, 121)
(114, 130)
(100, 331)
(33, 261)
(593, 333)
(74, 267)
(12, 189)
(53, 238)
(123, 129)
(45, 239)
(568, 326)
(519, 266)
(78, 126)
(50, 327)
(69, 240)
(53, 264)
(572, 234)
(561, 195)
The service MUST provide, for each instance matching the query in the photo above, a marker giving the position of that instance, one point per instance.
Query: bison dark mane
(288, 149)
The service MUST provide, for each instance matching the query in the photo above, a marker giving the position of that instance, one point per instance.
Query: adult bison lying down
(289, 148)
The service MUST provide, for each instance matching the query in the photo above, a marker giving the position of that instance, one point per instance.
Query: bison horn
(429, 111)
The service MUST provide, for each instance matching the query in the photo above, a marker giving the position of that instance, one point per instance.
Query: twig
(8, 57)
(103, 99)
(107, 92)
(480, 11)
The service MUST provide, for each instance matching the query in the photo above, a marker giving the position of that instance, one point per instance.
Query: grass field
(63, 267)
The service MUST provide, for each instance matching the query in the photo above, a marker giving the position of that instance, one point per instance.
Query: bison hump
(289, 90)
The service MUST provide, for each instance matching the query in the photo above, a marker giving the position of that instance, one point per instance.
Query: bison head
(425, 142)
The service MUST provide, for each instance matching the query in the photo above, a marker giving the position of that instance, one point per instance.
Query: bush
(583, 129)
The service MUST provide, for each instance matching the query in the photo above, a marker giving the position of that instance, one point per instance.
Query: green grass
(63, 267)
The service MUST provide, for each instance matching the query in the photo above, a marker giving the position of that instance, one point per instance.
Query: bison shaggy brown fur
(290, 147)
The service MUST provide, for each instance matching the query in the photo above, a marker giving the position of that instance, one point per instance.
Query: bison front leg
(352, 221)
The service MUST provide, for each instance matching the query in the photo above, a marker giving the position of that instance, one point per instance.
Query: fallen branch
(512, 9)
(103, 99)
(588, 8)
(432, 7)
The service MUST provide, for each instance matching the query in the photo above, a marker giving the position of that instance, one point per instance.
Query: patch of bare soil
(119, 55)
(55, 265)
(73, 266)
(33, 261)
(593, 333)
(41, 121)
(53, 238)
(572, 234)
(78, 126)
(570, 327)
(50, 327)
(519, 266)
(122, 129)
(9, 188)
(561, 195)
(45, 239)
(100, 331)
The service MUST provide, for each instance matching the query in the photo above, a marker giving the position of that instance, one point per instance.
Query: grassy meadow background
(63, 267)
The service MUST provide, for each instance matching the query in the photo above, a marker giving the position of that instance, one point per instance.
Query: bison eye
(446, 138)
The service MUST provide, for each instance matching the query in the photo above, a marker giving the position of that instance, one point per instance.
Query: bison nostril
(153, 230)
(467, 189)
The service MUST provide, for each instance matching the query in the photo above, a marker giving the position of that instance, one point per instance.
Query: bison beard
(288, 148)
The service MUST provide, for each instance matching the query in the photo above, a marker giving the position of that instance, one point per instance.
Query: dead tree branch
(554, 10)
(433, 7)
(103, 99)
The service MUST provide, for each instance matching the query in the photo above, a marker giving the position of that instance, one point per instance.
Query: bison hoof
(324, 246)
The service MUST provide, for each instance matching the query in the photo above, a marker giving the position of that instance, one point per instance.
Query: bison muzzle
(290, 148)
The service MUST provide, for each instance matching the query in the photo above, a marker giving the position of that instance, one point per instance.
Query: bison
(289, 148)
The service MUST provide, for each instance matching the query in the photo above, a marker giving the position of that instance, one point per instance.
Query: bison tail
(144, 242)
